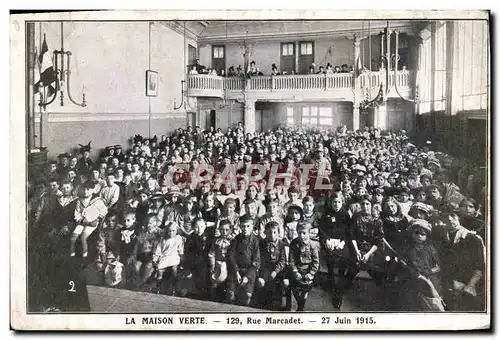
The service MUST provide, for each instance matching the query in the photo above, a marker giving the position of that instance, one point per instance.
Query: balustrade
(315, 82)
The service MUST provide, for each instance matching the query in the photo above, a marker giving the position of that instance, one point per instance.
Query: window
(325, 116)
(306, 115)
(218, 52)
(440, 68)
(287, 49)
(289, 115)
(306, 48)
(470, 66)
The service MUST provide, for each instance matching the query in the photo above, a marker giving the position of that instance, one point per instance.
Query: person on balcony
(252, 69)
(231, 72)
(345, 69)
(321, 70)
(337, 69)
(239, 71)
(329, 68)
(193, 70)
(274, 70)
(311, 69)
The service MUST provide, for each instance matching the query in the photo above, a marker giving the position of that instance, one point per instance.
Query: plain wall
(110, 59)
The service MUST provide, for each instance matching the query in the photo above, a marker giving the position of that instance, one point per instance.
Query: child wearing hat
(420, 258)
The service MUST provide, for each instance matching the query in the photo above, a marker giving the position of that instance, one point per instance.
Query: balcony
(341, 86)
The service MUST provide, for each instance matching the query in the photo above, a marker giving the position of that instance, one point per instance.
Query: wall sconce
(62, 75)
(182, 96)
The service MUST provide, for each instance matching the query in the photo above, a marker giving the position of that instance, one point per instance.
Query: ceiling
(210, 32)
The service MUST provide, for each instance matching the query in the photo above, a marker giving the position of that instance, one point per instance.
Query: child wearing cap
(304, 264)
(243, 263)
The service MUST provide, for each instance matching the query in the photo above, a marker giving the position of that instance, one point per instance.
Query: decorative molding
(106, 117)
(179, 28)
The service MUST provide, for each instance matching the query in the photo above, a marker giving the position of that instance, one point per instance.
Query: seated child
(109, 239)
(113, 271)
(243, 262)
(89, 212)
(420, 259)
(128, 239)
(229, 214)
(218, 256)
(273, 215)
(167, 257)
(304, 264)
(273, 262)
(251, 211)
(142, 256)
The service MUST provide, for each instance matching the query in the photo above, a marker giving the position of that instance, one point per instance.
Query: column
(249, 116)
(356, 84)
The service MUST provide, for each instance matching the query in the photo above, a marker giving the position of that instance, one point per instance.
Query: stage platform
(363, 296)
(110, 300)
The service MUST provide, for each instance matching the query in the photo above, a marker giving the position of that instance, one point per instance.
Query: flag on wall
(358, 68)
(46, 75)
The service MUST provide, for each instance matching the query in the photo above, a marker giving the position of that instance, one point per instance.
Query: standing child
(167, 257)
(109, 239)
(243, 263)
(218, 257)
(195, 261)
(304, 264)
(142, 255)
(273, 262)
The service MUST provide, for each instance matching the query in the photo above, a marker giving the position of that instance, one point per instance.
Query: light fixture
(62, 70)
(396, 59)
(182, 81)
(182, 96)
(366, 91)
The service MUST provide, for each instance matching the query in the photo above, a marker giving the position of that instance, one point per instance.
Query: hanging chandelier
(370, 101)
(62, 74)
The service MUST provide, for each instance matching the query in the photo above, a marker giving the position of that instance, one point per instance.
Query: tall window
(470, 65)
(289, 115)
(306, 56)
(287, 60)
(462, 51)
(218, 58)
(440, 68)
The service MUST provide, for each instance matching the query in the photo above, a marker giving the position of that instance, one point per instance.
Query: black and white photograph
(201, 172)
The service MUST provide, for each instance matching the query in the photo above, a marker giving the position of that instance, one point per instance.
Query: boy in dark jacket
(243, 262)
(304, 264)
(273, 261)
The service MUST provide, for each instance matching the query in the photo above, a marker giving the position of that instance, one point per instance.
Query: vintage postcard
(250, 170)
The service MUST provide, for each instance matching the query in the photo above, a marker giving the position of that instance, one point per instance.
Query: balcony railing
(204, 85)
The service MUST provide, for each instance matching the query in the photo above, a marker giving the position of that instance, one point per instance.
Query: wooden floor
(363, 296)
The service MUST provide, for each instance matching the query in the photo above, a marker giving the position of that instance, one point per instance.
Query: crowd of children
(394, 210)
